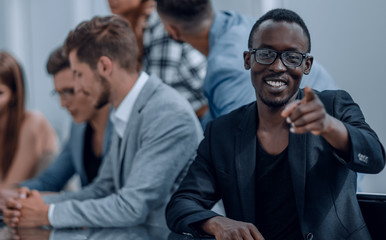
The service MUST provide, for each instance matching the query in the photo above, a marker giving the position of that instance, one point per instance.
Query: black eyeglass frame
(63, 93)
(278, 53)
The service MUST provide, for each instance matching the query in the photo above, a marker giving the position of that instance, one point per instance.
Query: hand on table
(26, 212)
(5, 194)
(29, 233)
(227, 229)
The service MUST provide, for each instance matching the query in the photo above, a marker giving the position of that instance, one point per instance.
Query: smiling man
(284, 165)
(154, 139)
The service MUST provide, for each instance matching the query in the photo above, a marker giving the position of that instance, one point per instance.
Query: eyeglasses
(288, 58)
(65, 93)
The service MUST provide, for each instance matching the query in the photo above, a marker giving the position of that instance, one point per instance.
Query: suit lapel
(297, 163)
(246, 161)
(143, 97)
(78, 147)
(107, 137)
(297, 149)
(115, 147)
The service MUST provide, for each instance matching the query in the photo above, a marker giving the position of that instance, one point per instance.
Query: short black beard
(101, 103)
(105, 95)
(274, 104)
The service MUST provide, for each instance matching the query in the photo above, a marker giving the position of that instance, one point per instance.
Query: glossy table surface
(132, 233)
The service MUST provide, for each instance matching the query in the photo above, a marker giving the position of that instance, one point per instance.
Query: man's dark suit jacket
(324, 184)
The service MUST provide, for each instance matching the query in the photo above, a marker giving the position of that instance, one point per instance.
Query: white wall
(30, 30)
(348, 38)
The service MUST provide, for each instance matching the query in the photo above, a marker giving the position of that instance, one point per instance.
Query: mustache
(281, 76)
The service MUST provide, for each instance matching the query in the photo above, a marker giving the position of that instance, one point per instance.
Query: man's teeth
(275, 83)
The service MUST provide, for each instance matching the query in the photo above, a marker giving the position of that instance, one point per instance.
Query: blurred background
(348, 39)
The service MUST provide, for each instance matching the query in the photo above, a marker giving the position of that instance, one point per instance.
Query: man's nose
(278, 65)
(78, 86)
(65, 102)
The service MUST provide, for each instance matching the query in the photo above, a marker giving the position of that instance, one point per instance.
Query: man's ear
(105, 66)
(247, 60)
(173, 31)
(308, 65)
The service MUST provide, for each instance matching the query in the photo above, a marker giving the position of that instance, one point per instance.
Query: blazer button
(309, 236)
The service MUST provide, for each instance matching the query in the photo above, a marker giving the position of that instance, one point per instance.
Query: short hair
(191, 12)
(280, 15)
(109, 36)
(57, 61)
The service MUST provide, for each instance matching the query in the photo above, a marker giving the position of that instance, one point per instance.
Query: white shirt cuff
(51, 213)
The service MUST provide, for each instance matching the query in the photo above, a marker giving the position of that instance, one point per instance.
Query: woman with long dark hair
(27, 140)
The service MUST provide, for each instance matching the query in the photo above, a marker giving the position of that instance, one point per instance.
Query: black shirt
(276, 213)
(90, 160)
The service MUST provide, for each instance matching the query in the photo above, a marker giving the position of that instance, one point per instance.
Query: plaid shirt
(178, 64)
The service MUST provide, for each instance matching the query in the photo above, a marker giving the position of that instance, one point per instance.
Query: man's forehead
(270, 30)
(64, 78)
(72, 56)
(75, 64)
(62, 85)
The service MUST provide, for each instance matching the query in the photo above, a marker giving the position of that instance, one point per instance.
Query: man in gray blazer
(154, 139)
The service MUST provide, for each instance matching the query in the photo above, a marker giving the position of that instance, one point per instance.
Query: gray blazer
(135, 183)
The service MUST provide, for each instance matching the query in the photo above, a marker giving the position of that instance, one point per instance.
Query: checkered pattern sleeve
(177, 64)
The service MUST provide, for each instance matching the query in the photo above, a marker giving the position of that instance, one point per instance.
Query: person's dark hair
(109, 36)
(11, 75)
(189, 11)
(280, 15)
(57, 61)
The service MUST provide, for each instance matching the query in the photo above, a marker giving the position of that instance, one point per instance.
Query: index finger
(289, 108)
(10, 213)
(309, 95)
(13, 204)
(24, 192)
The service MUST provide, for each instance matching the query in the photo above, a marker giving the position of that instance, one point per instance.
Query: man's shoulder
(231, 21)
(230, 29)
(328, 95)
(234, 37)
(335, 99)
(226, 58)
(227, 73)
(161, 90)
(162, 110)
(227, 44)
(164, 98)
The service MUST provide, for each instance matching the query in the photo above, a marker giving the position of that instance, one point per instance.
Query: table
(132, 233)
